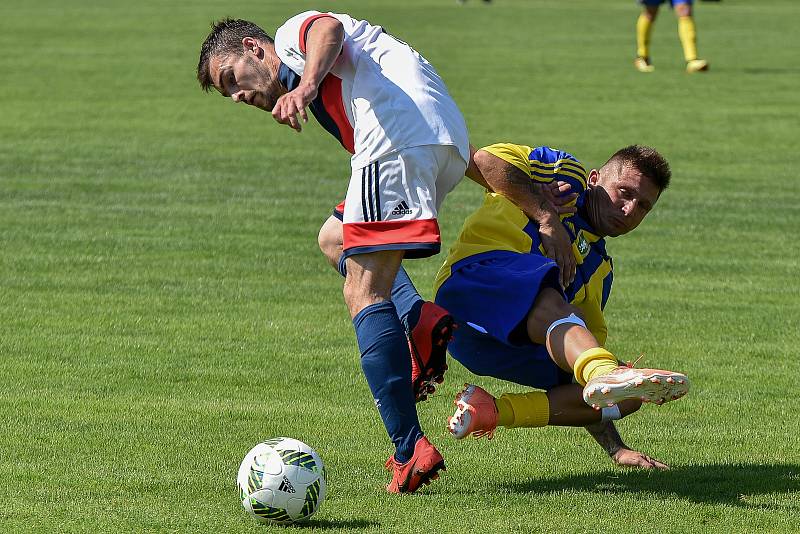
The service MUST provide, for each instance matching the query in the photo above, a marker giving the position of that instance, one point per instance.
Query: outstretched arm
(606, 435)
(323, 45)
(506, 179)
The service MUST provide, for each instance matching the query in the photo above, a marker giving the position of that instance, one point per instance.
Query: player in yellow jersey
(517, 321)
(686, 33)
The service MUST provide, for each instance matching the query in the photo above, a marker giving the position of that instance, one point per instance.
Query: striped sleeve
(516, 155)
(547, 164)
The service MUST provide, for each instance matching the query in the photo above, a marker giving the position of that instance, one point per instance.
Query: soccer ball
(281, 480)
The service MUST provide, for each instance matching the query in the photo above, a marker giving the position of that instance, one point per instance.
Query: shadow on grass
(326, 524)
(733, 484)
(770, 70)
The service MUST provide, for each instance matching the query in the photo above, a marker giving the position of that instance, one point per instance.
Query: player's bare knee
(549, 307)
(330, 241)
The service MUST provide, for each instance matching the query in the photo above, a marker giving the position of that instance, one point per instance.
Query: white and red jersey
(380, 96)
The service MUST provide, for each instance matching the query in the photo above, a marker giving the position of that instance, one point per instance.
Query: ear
(593, 177)
(251, 44)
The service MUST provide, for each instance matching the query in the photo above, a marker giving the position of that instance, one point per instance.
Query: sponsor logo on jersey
(402, 209)
(582, 244)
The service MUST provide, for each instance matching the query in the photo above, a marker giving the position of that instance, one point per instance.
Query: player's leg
(644, 30)
(554, 323)
(428, 327)
(479, 413)
(386, 363)
(401, 196)
(404, 295)
(687, 34)
(389, 214)
(572, 346)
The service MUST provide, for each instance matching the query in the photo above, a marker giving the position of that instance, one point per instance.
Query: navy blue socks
(386, 363)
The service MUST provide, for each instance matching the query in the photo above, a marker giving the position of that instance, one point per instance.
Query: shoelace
(633, 364)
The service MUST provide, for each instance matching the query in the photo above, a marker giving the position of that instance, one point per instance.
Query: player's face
(246, 78)
(623, 200)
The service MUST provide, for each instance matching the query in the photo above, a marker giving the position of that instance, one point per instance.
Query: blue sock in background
(386, 363)
(406, 299)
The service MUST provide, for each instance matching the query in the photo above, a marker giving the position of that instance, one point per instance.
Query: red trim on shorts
(304, 28)
(330, 91)
(364, 234)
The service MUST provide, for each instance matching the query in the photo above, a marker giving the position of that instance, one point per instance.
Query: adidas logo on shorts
(402, 209)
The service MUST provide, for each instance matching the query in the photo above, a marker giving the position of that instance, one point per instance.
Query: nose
(629, 207)
(238, 96)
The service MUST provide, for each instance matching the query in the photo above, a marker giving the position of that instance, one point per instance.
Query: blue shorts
(491, 299)
(659, 2)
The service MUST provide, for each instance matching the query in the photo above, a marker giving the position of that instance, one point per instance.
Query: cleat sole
(655, 386)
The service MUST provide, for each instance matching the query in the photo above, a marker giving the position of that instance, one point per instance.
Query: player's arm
(514, 184)
(557, 193)
(473, 172)
(606, 435)
(323, 44)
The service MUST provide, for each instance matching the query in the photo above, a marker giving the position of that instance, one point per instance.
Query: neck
(273, 63)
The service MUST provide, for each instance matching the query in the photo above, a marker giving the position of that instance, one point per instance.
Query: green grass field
(163, 305)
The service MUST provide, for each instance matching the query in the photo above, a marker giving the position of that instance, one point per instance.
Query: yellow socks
(523, 410)
(594, 362)
(644, 27)
(688, 37)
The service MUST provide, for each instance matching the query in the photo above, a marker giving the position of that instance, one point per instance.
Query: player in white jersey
(388, 107)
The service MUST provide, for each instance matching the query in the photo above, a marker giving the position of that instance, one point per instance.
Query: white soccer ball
(281, 480)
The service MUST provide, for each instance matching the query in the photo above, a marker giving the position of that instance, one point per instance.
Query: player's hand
(558, 246)
(294, 103)
(557, 194)
(629, 458)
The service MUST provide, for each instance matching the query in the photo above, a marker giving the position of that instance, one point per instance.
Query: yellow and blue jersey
(499, 228)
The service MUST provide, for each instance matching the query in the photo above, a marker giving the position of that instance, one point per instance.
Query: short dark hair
(225, 38)
(646, 160)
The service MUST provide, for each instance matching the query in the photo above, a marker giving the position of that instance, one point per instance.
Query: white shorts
(392, 203)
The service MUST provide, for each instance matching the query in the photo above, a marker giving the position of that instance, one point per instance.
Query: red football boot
(420, 470)
(427, 342)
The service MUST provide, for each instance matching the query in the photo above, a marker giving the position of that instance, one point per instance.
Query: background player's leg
(688, 37)
(385, 358)
(644, 29)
